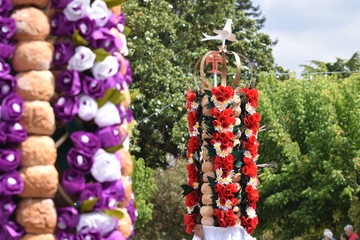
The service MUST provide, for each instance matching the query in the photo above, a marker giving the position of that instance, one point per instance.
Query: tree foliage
(340, 65)
(314, 137)
(164, 46)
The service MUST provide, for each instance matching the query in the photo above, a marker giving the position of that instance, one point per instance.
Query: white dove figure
(222, 35)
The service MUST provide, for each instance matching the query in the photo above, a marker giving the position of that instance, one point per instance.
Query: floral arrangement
(225, 167)
(93, 95)
(12, 132)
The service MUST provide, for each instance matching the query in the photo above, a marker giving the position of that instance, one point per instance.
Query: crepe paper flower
(7, 208)
(12, 133)
(253, 181)
(250, 109)
(110, 136)
(107, 115)
(227, 206)
(115, 190)
(102, 38)
(9, 159)
(7, 49)
(11, 231)
(76, 9)
(79, 160)
(7, 27)
(66, 107)
(72, 181)
(115, 235)
(86, 141)
(92, 87)
(91, 191)
(11, 184)
(63, 51)
(11, 108)
(100, 12)
(59, 4)
(7, 85)
(86, 27)
(106, 69)
(5, 7)
(124, 49)
(68, 82)
(91, 235)
(59, 24)
(4, 68)
(251, 212)
(82, 60)
(87, 108)
(67, 218)
(60, 235)
(106, 167)
(97, 221)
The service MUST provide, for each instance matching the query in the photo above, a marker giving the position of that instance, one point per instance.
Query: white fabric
(219, 233)
(107, 115)
(82, 60)
(76, 9)
(96, 221)
(106, 167)
(87, 108)
(99, 12)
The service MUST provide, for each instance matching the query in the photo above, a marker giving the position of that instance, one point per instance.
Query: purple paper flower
(7, 27)
(102, 38)
(86, 27)
(128, 75)
(9, 159)
(11, 184)
(113, 192)
(117, 81)
(7, 85)
(110, 136)
(5, 7)
(6, 49)
(59, 4)
(72, 181)
(86, 141)
(93, 87)
(67, 218)
(91, 235)
(68, 82)
(4, 67)
(59, 24)
(112, 22)
(91, 191)
(65, 236)
(129, 115)
(12, 133)
(79, 160)
(66, 107)
(132, 211)
(11, 231)
(115, 235)
(63, 51)
(11, 107)
(7, 207)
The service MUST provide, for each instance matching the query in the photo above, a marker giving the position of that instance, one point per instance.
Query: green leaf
(212, 181)
(116, 213)
(127, 31)
(238, 154)
(187, 189)
(88, 205)
(238, 163)
(78, 39)
(134, 94)
(114, 3)
(101, 54)
(114, 148)
(111, 95)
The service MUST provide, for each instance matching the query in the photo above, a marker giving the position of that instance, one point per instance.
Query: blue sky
(311, 29)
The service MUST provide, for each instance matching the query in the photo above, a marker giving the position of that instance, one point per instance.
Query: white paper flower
(87, 108)
(106, 167)
(96, 221)
(76, 9)
(82, 60)
(107, 115)
(124, 49)
(106, 69)
(99, 12)
(251, 212)
(126, 143)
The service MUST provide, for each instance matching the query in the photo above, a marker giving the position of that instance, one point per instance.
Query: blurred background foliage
(312, 123)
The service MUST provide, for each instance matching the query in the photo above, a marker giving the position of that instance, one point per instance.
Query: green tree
(314, 137)
(164, 46)
(340, 65)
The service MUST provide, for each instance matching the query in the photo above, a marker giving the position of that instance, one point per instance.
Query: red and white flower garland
(251, 120)
(192, 199)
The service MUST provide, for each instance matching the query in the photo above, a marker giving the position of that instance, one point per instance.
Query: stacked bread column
(35, 84)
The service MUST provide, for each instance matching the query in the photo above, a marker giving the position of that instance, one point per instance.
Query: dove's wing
(232, 38)
(221, 32)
